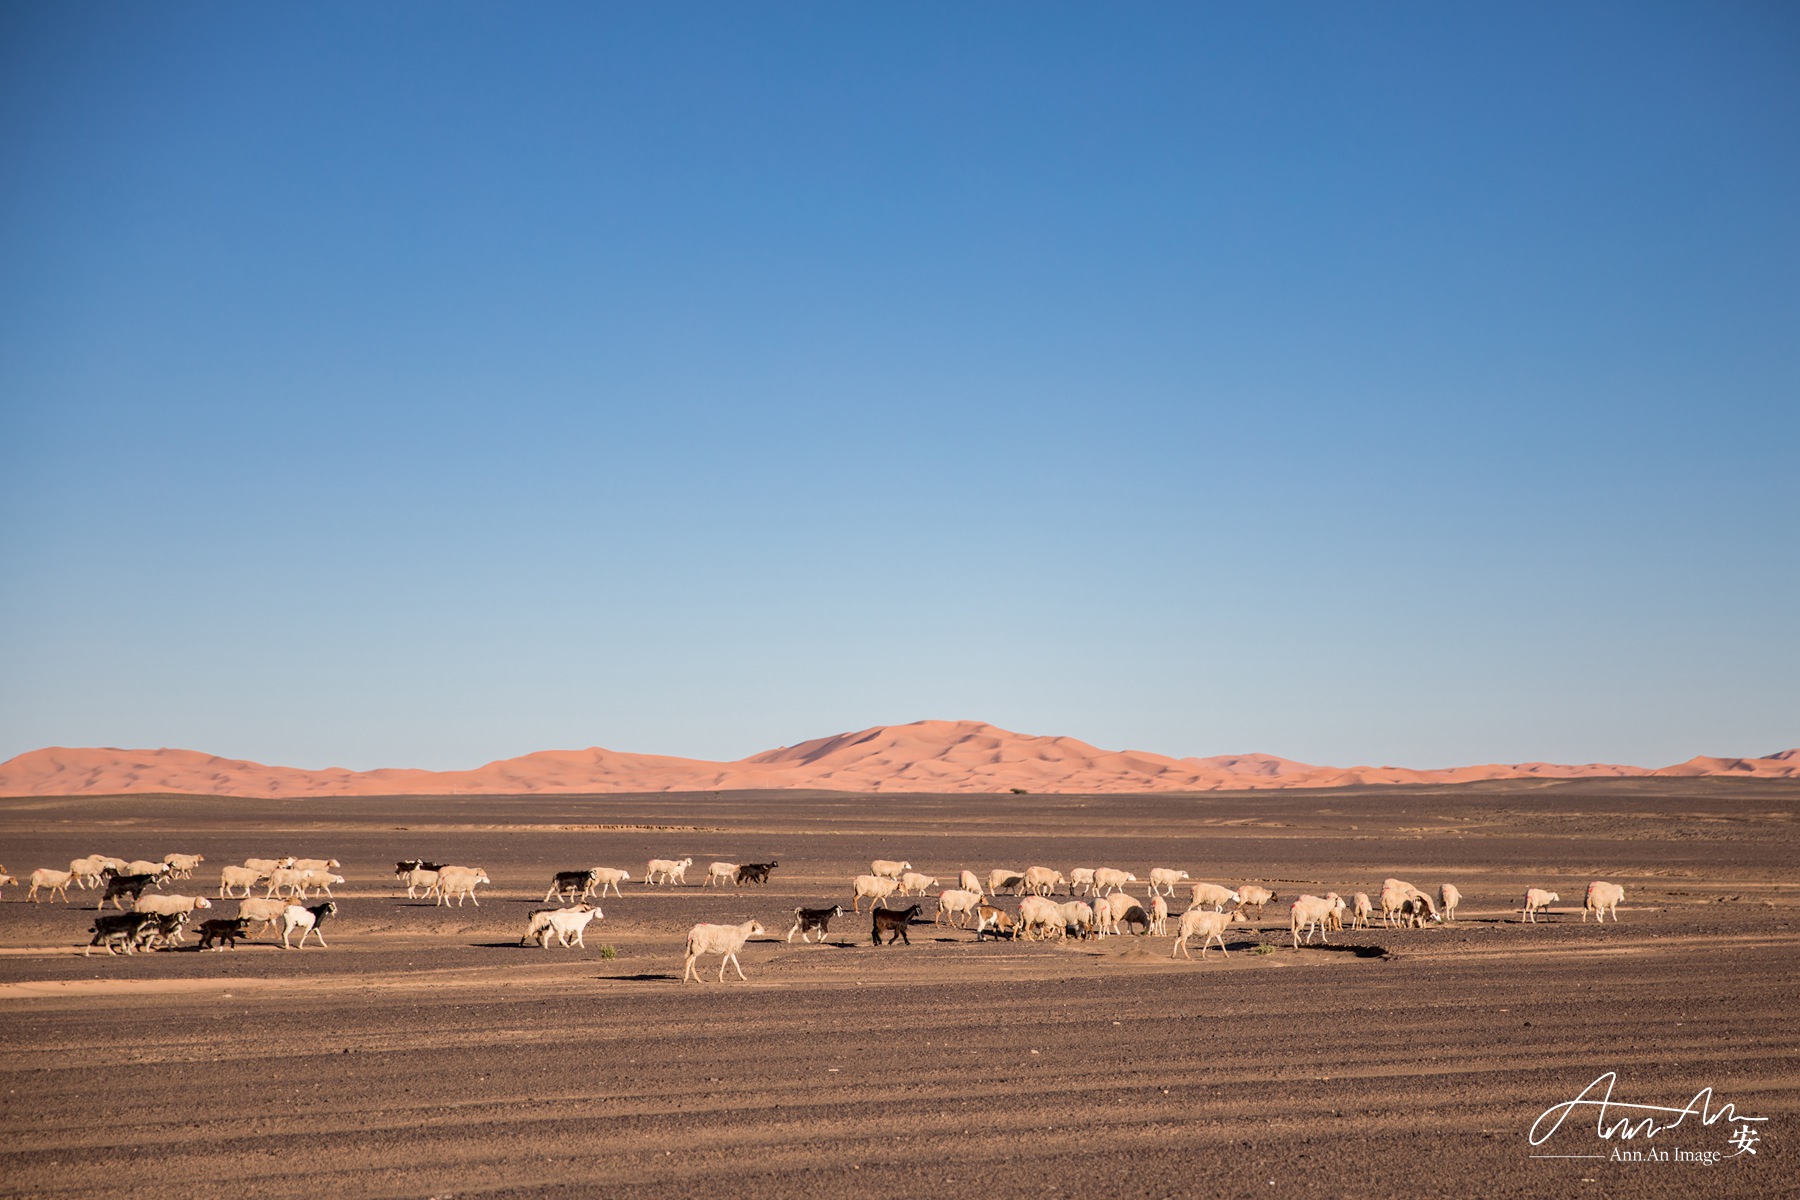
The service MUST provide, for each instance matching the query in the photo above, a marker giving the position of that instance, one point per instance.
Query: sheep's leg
(739, 967)
(689, 970)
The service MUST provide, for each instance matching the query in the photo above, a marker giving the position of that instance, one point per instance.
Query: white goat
(725, 940)
(306, 920)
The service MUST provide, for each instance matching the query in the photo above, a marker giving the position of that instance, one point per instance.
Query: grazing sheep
(1127, 911)
(610, 877)
(1205, 895)
(953, 902)
(1111, 879)
(1394, 895)
(265, 913)
(876, 887)
(1079, 916)
(1448, 899)
(118, 887)
(1210, 926)
(232, 878)
(893, 922)
(1536, 900)
(1163, 881)
(725, 940)
(1004, 877)
(997, 921)
(307, 921)
(223, 929)
(970, 883)
(720, 874)
(914, 884)
(1601, 899)
(1042, 881)
(757, 873)
(1038, 915)
(49, 877)
(1159, 917)
(1310, 913)
(1361, 910)
(564, 923)
(1252, 896)
(460, 882)
(887, 868)
(421, 877)
(808, 919)
(672, 870)
(1081, 881)
(181, 866)
(571, 885)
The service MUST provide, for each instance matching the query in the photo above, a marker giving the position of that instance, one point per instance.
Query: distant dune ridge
(925, 756)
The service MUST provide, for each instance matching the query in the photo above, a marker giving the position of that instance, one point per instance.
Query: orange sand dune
(926, 756)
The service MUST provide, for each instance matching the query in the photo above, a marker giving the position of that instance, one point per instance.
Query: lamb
(1361, 911)
(995, 920)
(808, 919)
(721, 873)
(307, 921)
(757, 873)
(913, 883)
(672, 870)
(1110, 879)
(170, 905)
(610, 877)
(1163, 881)
(1310, 913)
(1201, 895)
(970, 883)
(574, 884)
(1159, 917)
(421, 877)
(129, 930)
(887, 868)
(120, 886)
(953, 902)
(232, 878)
(181, 866)
(1601, 899)
(1252, 896)
(1210, 926)
(1536, 901)
(564, 923)
(876, 887)
(49, 877)
(1448, 899)
(223, 929)
(1081, 881)
(893, 922)
(265, 913)
(460, 882)
(1037, 914)
(1042, 881)
(724, 940)
(1395, 893)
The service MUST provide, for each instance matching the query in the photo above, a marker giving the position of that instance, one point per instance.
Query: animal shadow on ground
(641, 977)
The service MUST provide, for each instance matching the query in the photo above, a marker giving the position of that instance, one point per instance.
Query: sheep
(1536, 901)
(1038, 914)
(223, 929)
(87, 870)
(1309, 913)
(1601, 899)
(913, 883)
(1164, 879)
(460, 882)
(315, 864)
(724, 940)
(1081, 881)
(169, 905)
(307, 921)
(1103, 916)
(407, 866)
(953, 902)
(1111, 879)
(970, 882)
(1201, 895)
(1004, 877)
(49, 877)
(1395, 893)
(564, 923)
(1127, 911)
(1079, 916)
(672, 870)
(231, 878)
(1209, 925)
(808, 919)
(1361, 910)
(131, 930)
(893, 922)
(262, 911)
(323, 880)
(143, 866)
(421, 877)
(6, 879)
(1042, 881)
(119, 886)
(876, 887)
(266, 866)
(1252, 896)
(181, 866)
(610, 877)
(887, 868)
(574, 884)
(1448, 899)
(757, 873)
(1159, 917)
(292, 880)
(721, 873)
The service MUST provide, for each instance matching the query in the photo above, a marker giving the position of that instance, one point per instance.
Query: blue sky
(418, 385)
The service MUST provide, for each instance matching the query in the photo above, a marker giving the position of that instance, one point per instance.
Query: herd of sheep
(1099, 903)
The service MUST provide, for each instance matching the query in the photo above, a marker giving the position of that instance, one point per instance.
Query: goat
(808, 919)
(893, 922)
(757, 873)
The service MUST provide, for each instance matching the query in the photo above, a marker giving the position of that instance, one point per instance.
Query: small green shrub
(1263, 950)
(609, 952)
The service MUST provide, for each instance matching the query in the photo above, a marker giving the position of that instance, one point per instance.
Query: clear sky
(424, 384)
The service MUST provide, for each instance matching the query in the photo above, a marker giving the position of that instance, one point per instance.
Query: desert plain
(427, 1052)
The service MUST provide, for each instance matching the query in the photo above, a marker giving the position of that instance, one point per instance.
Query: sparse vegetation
(1263, 949)
(609, 951)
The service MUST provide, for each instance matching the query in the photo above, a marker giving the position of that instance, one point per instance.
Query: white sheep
(291, 880)
(232, 878)
(1081, 881)
(1203, 895)
(267, 865)
(1601, 899)
(720, 874)
(1252, 896)
(1104, 921)
(1036, 914)
(143, 866)
(323, 880)
(419, 877)
(263, 911)
(1111, 879)
(610, 877)
(87, 870)
(1361, 910)
(1164, 879)
(460, 882)
(1210, 926)
(1159, 917)
(998, 877)
(1310, 913)
(567, 924)
(876, 887)
(1536, 901)
(1078, 915)
(1042, 881)
(725, 940)
(887, 868)
(1448, 899)
(168, 906)
(970, 883)
(914, 883)
(672, 870)
(315, 864)
(953, 902)
(181, 866)
(1394, 895)
(49, 877)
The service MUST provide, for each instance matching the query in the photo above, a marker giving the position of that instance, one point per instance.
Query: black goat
(118, 885)
(757, 873)
(223, 929)
(576, 883)
(893, 921)
(131, 930)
